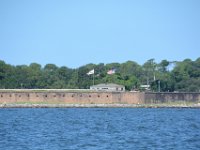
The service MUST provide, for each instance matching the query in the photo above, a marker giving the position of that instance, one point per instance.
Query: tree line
(166, 76)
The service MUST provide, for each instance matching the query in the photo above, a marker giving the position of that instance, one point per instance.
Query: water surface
(99, 128)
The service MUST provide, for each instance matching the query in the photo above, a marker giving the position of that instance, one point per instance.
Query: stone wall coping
(172, 92)
(82, 91)
(55, 91)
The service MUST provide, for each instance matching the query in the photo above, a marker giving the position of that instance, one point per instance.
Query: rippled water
(99, 128)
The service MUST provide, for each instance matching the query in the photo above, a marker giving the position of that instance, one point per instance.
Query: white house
(110, 87)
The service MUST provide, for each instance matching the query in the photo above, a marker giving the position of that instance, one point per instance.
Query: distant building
(108, 87)
(145, 87)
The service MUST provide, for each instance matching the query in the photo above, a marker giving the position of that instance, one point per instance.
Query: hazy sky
(77, 32)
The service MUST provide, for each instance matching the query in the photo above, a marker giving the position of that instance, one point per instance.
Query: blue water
(99, 128)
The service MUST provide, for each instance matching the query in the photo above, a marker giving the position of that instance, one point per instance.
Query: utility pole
(147, 80)
(154, 76)
(158, 85)
(93, 79)
(77, 74)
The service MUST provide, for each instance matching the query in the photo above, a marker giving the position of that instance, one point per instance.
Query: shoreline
(197, 105)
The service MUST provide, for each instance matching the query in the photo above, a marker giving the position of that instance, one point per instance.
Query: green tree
(162, 66)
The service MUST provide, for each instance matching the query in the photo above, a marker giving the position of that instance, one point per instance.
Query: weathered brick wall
(95, 97)
(71, 97)
(171, 97)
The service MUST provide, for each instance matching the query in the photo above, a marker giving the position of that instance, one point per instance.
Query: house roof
(108, 85)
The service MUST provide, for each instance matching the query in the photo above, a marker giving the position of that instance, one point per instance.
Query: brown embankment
(65, 98)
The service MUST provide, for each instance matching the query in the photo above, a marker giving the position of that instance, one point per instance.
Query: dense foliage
(166, 76)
